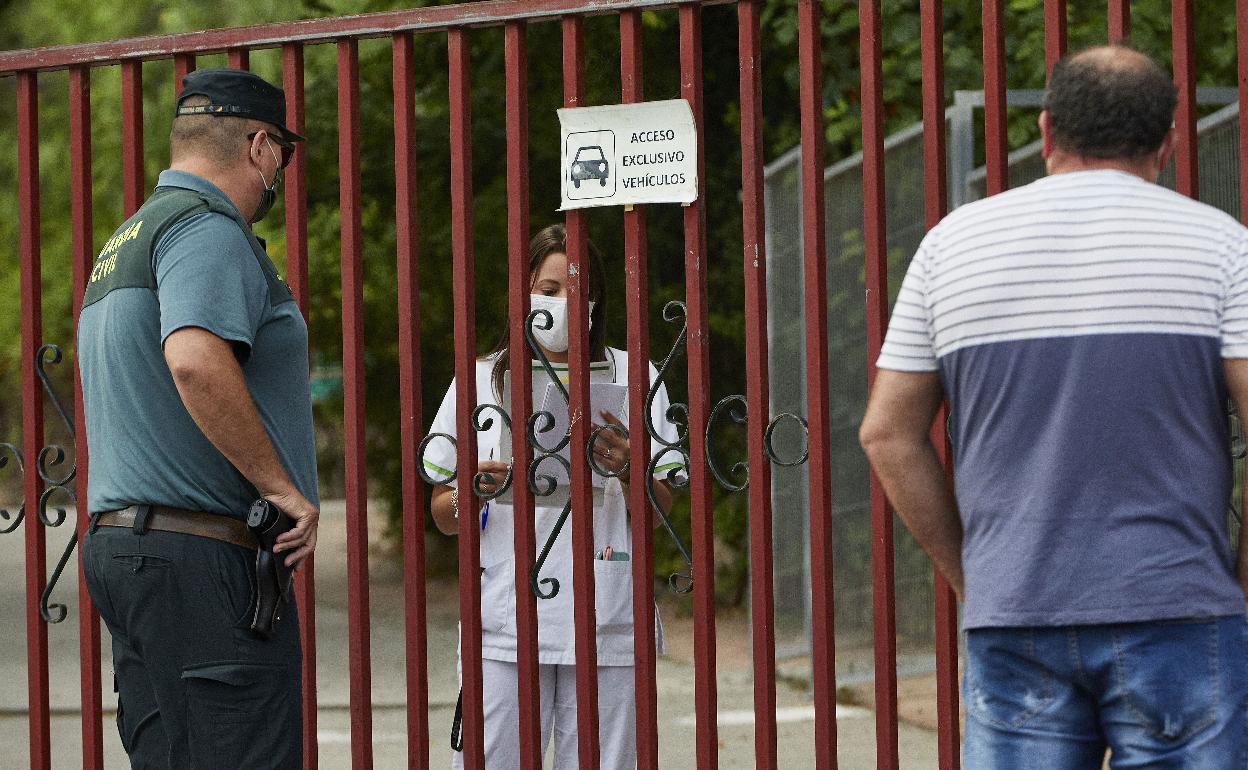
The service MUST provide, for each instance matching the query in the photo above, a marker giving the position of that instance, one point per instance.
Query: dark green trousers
(195, 687)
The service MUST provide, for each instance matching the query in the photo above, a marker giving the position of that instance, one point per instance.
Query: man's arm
(1237, 384)
(212, 387)
(895, 434)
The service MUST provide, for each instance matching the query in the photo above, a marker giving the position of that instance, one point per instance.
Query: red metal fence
(459, 23)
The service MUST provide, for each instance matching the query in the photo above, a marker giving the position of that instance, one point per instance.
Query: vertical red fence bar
(996, 145)
(580, 421)
(936, 205)
(411, 421)
(465, 301)
(1241, 34)
(353, 403)
(814, 276)
(239, 59)
(32, 416)
(1182, 26)
(296, 212)
(81, 257)
(637, 302)
(295, 188)
(518, 282)
(1119, 22)
(701, 513)
(132, 183)
(758, 406)
(183, 65)
(875, 243)
(1054, 32)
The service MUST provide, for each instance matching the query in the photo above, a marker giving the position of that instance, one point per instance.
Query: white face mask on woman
(554, 339)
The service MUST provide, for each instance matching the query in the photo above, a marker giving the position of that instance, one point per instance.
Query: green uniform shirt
(144, 447)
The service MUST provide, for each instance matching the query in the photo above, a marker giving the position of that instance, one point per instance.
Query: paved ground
(856, 731)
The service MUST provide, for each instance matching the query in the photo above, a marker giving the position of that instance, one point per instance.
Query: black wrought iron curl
(736, 408)
(769, 440)
(480, 424)
(540, 484)
(13, 519)
(677, 414)
(420, 460)
(49, 458)
(590, 455)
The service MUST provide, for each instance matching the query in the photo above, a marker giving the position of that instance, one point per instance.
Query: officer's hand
(300, 540)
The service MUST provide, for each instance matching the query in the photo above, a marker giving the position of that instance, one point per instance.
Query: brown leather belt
(165, 519)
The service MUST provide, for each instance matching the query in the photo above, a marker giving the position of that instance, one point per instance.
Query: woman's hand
(611, 447)
(496, 473)
(447, 503)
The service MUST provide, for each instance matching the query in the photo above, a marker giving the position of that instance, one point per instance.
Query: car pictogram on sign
(590, 163)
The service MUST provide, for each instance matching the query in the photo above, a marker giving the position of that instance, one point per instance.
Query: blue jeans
(1163, 694)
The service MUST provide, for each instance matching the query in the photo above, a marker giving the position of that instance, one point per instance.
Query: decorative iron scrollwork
(543, 485)
(50, 457)
(12, 519)
(678, 415)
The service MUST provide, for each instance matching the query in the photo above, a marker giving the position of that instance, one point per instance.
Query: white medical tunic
(612, 579)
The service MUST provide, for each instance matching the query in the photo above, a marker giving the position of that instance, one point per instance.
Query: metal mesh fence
(845, 293)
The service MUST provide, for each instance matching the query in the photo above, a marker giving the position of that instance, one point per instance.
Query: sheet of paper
(604, 397)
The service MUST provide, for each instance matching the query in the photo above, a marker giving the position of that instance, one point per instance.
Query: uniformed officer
(195, 384)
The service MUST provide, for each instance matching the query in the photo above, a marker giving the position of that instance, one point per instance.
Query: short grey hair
(218, 139)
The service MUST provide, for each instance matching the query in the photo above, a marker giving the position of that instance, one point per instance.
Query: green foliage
(27, 23)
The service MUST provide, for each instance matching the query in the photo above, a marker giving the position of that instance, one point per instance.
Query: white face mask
(554, 339)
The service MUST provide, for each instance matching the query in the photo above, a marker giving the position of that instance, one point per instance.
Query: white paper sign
(623, 154)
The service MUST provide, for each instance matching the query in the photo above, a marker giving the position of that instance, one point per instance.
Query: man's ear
(255, 151)
(1046, 134)
(1168, 146)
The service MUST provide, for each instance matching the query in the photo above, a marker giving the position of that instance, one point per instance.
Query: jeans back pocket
(1166, 673)
(1007, 683)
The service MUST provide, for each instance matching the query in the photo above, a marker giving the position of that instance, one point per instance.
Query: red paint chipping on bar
(875, 243)
(1119, 22)
(183, 65)
(814, 261)
(239, 59)
(32, 416)
(81, 257)
(1054, 32)
(637, 303)
(996, 142)
(465, 301)
(701, 514)
(580, 421)
(518, 283)
(758, 406)
(936, 205)
(295, 189)
(1182, 25)
(353, 404)
(133, 185)
(411, 421)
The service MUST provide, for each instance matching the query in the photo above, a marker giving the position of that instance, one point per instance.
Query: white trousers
(617, 725)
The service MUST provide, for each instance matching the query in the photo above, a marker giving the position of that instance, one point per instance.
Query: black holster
(273, 577)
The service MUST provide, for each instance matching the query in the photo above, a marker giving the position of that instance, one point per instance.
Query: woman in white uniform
(548, 265)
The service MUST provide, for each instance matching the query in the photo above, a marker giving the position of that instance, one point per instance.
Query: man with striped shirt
(1087, 330)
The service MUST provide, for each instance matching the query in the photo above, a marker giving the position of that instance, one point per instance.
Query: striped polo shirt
(1079, 325)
